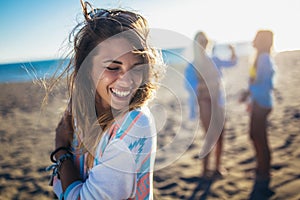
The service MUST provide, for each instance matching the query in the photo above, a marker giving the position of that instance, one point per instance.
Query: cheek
(140, 78)
(96, 76)
(99, 75)
(104, 80)
(137, 80)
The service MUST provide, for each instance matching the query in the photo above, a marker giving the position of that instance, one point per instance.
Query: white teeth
(121, 93)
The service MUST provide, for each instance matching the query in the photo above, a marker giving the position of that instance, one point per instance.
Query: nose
(125, 79)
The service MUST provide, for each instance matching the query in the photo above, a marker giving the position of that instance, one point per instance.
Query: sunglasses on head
(96, 13)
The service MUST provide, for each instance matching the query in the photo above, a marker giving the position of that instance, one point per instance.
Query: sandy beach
(27, 134)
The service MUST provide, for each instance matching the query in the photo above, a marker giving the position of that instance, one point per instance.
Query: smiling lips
(120, 93)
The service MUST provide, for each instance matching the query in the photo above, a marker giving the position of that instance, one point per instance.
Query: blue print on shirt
(138, 144)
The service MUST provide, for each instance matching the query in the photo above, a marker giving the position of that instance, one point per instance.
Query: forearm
(68, 174)
(65, 175)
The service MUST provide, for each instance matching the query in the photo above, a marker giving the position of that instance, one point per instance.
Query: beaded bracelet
(57, 150)
(57, 163)
(63, 158)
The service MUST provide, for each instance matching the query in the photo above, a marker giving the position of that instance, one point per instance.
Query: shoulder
(140, 116)
(265, 61)
(264, 57)
(138, 122)
(137, 132)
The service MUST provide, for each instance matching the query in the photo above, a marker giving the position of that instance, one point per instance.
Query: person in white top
(106, 141)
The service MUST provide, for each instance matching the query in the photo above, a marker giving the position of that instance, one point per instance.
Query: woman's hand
(64, 129)
(244, 96)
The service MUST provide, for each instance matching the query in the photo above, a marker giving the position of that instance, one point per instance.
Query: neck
(260, 51)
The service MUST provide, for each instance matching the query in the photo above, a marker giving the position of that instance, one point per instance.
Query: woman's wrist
(58, 152)
(58, 157)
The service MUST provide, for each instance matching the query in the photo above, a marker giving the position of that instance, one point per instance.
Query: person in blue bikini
(191, 83)
(198, 88)
(105, 142)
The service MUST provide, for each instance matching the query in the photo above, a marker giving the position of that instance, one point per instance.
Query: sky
(35, 30)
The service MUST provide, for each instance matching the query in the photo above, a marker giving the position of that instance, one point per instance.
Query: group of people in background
(205, 88)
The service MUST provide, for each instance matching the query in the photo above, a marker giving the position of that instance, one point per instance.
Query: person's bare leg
(205, 166)
(205, 115)
(219, 149)
(258, 134)
(219, 145)
(260, 143)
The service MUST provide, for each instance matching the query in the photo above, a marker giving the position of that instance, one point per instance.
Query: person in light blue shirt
(262, 87)
(260, 90)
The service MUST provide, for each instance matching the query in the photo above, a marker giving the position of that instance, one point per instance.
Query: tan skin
(205, 116)
(117, 77)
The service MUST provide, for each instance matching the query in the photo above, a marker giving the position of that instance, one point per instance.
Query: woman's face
(117, 73)
(263, 41)
(255, 42)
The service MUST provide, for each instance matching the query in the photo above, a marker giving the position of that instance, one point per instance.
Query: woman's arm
(64, 135)
(226, 63)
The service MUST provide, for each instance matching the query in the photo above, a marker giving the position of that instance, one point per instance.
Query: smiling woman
(105, 143)
(118, 75)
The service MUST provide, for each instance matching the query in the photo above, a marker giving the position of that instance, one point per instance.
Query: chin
(120, 106)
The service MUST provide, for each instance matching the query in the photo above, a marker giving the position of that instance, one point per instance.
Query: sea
(44, 69)
(31, 71)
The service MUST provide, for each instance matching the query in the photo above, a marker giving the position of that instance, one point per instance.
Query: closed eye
(112, 65)
(112, 68)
